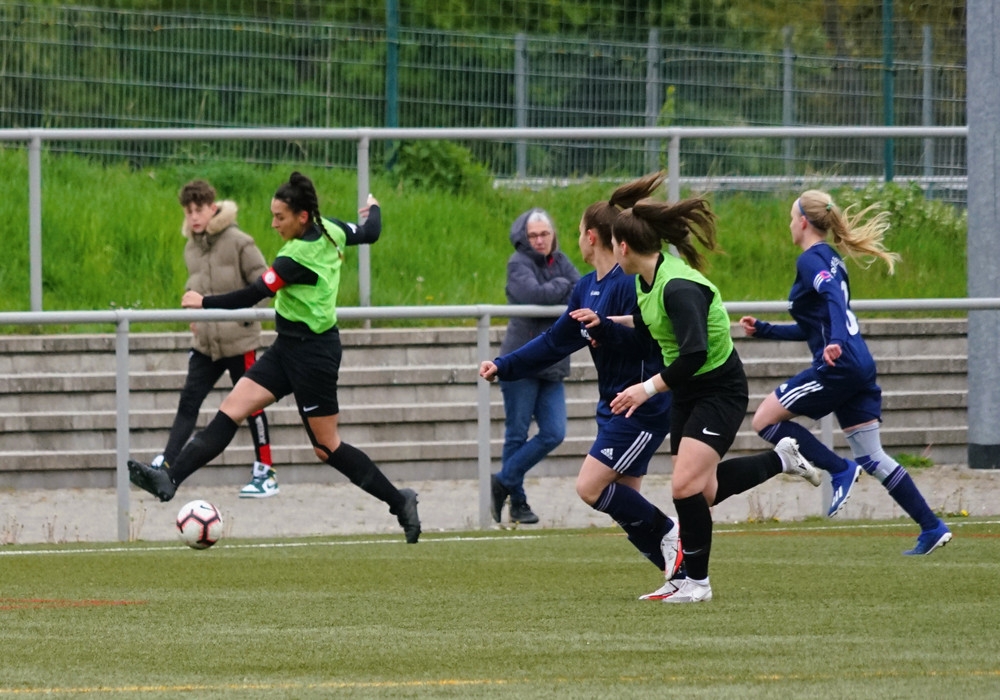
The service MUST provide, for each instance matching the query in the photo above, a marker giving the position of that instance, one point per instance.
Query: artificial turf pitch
(803, 610)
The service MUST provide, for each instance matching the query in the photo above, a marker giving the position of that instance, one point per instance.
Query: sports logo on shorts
(608, 452)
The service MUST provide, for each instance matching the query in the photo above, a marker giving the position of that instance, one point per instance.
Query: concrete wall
(408, 398)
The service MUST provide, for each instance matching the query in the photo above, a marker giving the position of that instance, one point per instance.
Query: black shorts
(711, 408)
(308, 368)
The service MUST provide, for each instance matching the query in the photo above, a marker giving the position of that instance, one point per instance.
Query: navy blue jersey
(820, 303)
(622, 356)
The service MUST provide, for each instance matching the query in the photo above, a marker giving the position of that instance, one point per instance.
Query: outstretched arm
(755, 328)
(243, 298)
(369, 231)
(561, 340)
(283, 272)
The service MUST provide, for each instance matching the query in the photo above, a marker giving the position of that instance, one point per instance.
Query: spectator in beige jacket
(220, 258)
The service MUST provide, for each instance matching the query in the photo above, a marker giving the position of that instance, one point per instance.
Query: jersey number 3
(852, 320)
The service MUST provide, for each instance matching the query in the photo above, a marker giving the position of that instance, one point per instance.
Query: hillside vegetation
(111, 235)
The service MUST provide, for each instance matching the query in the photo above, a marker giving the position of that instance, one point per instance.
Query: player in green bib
(304, 359)
(682, 311)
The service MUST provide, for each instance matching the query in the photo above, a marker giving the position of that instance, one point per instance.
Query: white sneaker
(670, 546)
(792, 461)
(668, 588)
(264, 483)
(690, 591)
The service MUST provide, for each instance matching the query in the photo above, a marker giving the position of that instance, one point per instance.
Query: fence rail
(483, 314)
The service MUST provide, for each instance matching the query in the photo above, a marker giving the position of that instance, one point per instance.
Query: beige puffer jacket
(220, 260)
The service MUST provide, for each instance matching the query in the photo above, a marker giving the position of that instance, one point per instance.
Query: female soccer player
(305, 357)
(611, 474)
(842, 377)
(682, 311)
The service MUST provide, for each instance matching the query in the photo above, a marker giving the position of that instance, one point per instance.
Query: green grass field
(808, 610)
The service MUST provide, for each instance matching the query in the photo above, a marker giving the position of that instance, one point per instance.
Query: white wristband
(650, 387)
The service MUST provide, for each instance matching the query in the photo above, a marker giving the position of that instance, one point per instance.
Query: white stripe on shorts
(789, 399)
(633, 451)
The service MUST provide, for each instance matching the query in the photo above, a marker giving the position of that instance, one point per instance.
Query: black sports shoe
(521, 513)
(498, 496)
(155, 481)
(408, 517)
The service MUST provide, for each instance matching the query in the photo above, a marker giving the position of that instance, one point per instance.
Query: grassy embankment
(111, 236)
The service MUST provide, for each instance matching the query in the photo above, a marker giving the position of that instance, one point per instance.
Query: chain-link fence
(318, 64)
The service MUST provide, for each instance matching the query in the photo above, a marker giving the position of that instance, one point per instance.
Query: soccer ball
(199, 524)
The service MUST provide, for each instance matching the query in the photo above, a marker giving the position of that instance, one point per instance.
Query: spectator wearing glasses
(537, 273)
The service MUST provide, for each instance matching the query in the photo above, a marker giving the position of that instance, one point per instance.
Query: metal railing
(363, 137)
(122, 319)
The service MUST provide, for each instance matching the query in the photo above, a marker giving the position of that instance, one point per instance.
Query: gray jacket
(536, 279)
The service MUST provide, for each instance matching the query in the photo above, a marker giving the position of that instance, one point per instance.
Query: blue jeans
(523, 399)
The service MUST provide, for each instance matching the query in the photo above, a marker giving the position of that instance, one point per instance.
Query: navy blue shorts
(622, 445)
(816, 393)
(308, 368)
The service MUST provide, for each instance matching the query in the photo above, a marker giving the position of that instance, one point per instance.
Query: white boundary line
(464, 538)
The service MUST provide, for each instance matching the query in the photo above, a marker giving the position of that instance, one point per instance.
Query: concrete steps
(408, 398)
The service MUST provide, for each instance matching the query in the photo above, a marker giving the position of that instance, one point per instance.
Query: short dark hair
(196, 192)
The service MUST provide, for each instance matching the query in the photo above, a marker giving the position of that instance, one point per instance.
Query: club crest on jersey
(836, 263)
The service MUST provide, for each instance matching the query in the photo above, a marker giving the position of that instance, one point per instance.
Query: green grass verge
(808, 610)
(111, 236)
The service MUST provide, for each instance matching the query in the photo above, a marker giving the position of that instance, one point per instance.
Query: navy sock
(902, 489)
(811, 448)
(696, 534)
(644, 523)
(867, 448)
(203, 448)
(743, 473)
(361, 470)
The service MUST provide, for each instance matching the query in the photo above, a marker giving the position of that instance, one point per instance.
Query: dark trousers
(202, 375)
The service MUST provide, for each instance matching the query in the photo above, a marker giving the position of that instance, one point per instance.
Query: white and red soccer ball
(199, 524)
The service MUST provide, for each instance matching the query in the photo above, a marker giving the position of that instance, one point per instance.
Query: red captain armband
(271, 280)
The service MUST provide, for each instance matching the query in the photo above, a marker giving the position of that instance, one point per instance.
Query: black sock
(695, 520)
(361, 470)
(203, 448)
(743, 473)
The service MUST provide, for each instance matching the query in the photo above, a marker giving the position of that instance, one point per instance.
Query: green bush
(439, 165)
